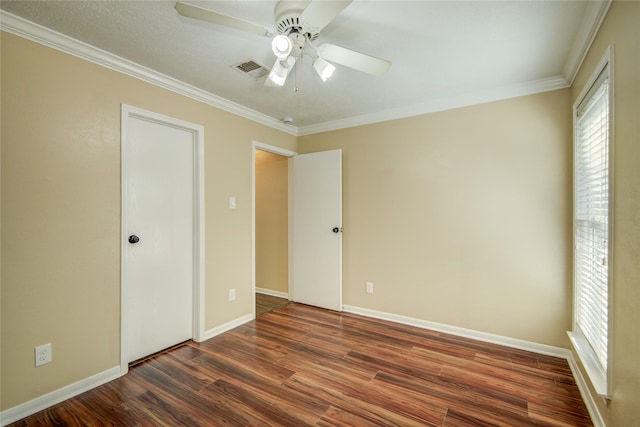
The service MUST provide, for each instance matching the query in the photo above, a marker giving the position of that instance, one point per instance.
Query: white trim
(255, 145)
(31, 31)
(199, 241)
(227, 326)
(601, 381)
(591, 21)
(587, 397)
(587, 357)
(273, 149)
(462, 332)
(290, 253)
(198, 234)
(265, 291)
(547, 350)
(435, 105)
(67, 392)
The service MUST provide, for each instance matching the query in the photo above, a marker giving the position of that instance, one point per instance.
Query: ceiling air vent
(251, 68)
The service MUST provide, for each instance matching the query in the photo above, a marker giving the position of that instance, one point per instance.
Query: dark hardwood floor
(299, 365)
(267, 303)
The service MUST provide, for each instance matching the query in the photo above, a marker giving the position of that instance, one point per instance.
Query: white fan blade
(319, 13)
(352, 59)
(197, 12)
(280, 71)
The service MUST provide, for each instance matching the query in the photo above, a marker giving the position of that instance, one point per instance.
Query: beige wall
(272, 222)
(61, 212)
(462, 217)
(621, 30)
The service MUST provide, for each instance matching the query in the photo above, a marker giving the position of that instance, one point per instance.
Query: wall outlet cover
(43, 354)
(369, 287)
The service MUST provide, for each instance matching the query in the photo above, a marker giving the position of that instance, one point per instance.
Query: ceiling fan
(298, 24)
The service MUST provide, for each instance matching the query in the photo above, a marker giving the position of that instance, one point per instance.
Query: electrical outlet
(232, 294)
(43, 354)
(369, 287)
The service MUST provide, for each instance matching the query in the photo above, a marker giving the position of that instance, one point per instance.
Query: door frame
(255, 145)
(128, 112)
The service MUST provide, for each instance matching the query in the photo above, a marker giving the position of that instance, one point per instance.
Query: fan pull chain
(302, 115)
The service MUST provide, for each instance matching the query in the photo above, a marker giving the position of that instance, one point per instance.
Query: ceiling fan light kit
(323, 68)
(298, 23)
(280, 70)
(278, 75)
(281, 46)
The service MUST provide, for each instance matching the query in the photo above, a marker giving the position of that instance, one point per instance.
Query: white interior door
(317, 229)
(158, 269)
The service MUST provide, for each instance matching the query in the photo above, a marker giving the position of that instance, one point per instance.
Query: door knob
(133, 239)
(336, 230)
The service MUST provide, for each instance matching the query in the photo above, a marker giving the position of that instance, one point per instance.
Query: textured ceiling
(444, 53)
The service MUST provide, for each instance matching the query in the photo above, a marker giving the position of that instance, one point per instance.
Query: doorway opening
(314, 229)
(271, 227)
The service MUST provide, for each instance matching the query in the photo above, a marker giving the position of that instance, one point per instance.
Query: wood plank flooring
(267, 303)
(299, 365)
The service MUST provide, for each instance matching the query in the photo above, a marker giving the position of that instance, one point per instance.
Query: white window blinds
(591, 218)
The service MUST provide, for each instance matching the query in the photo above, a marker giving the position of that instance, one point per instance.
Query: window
(592, 226)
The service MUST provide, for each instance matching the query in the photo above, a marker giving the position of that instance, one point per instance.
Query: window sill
(596, 374)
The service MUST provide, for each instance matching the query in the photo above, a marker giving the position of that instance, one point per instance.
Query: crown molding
(31, 31)
(442, 104)
(591, 21)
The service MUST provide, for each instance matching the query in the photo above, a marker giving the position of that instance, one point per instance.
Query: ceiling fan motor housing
(287, 16)
(298, 23)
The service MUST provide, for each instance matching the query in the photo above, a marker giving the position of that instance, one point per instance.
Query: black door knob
(335, 230)
(133, 239)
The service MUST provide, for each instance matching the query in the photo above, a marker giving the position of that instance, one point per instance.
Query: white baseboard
(28, 408)
(278, 294)
(227, 326)
(38, 404)
(463, 332)
(43, 402)
(548, 350)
